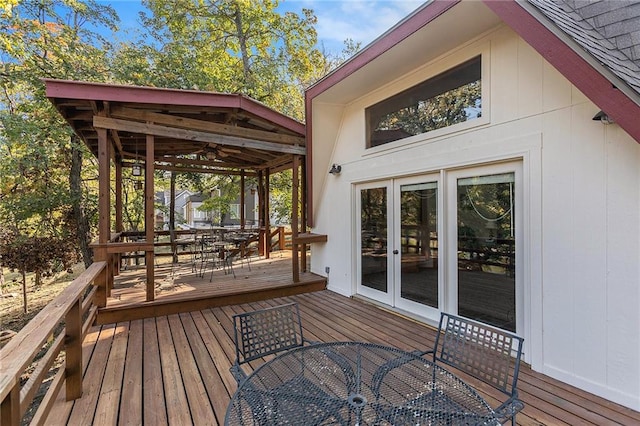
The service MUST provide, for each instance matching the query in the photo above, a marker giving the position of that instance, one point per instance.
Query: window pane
(486, 249)
(444, 100)
(373, 205)
(419, 243)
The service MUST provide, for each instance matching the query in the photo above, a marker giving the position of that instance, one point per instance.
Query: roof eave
(607, 91)
(405, 28)
(151, 95)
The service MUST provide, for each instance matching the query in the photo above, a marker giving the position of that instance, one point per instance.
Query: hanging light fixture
(136, 169)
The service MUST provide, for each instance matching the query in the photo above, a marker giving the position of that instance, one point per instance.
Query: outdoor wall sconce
(138, 185)
(136, 169)
(603, 117)
(335, 169)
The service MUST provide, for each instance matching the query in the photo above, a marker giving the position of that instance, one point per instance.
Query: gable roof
(595, 45)
(607, 30)
(193, 130)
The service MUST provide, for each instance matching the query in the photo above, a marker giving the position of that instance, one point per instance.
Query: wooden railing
(60, 327)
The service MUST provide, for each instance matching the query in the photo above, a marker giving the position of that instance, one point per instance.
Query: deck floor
(175, 369)
(181, 288)
(183, 280)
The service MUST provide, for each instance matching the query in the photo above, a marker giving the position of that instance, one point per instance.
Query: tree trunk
(24, 291)
(75, 186)
(244, 52)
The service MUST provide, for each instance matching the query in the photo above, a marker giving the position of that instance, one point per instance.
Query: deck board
(154, 407)
(179, 289)
(185, 376)
(131, 412)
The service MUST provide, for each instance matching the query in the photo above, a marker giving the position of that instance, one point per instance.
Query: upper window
(444, 100)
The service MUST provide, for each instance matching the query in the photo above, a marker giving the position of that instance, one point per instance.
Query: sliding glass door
(448, 241)
(416, 233)
(485, 239)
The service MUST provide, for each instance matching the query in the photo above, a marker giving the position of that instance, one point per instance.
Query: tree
(43, 201)
(221, 191)
(234, 46)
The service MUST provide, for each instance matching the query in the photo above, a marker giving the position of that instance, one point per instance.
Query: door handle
(395, 252)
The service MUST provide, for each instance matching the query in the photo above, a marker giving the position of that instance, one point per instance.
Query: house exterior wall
(580, 200)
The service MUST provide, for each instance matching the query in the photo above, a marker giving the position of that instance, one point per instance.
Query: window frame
(428, 72)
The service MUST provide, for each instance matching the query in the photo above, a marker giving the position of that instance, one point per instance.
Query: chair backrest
(486, 353)
(267, 331)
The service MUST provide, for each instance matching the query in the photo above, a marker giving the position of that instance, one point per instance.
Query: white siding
(582, 194)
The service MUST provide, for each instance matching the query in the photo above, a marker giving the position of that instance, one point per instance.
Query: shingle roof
(608, 30)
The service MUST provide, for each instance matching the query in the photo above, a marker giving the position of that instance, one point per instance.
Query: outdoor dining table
(354, 383)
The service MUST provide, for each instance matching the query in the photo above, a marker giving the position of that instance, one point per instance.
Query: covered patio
(148, 129)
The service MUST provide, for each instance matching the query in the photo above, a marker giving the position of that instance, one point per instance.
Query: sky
(360, 20)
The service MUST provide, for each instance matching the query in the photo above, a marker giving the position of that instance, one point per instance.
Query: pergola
(179, 131)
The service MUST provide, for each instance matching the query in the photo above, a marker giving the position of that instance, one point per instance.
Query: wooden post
(303, 214)
(282, 243)
(242, 200)
(104, 216)
(10, 408)
(73, 349)
(119, 209)
(267, 223)
(100, 253)
(295, 205)
(149, 216)
(172, 217)
(263, 232)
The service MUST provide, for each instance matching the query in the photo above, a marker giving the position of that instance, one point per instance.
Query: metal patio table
(353, 383)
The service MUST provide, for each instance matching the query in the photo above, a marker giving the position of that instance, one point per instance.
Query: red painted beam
(578, 71)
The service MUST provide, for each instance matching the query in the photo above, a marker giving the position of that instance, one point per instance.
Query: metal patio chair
(265, 332)
(276, 330)
(486, 353)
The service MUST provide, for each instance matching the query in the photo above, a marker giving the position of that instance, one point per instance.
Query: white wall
(582, 200)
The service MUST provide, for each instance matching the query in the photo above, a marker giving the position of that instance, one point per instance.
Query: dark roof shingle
(608, 30)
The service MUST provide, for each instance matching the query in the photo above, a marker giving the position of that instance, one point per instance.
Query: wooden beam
(206, 126)
(193, 135)
(159, 308)
(202, 170)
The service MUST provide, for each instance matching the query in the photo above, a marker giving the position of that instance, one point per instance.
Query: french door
(448, 241)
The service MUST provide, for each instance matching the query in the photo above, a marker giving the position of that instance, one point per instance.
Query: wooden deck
(175, 369)
(179, 288)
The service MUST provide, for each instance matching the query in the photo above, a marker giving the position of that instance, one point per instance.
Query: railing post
(281, 238)
(10, 408)
(102, 280)
(73, 348)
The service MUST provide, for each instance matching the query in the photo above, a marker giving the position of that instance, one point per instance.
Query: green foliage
(42, 39)
(443, 110)
(221, 191)
(42, 255)
(280, 186)
(235, 46)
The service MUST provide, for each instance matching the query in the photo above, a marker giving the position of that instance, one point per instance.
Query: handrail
(75, 308)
